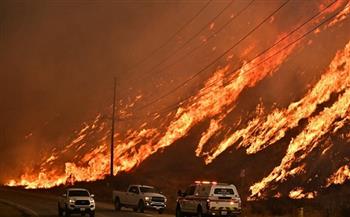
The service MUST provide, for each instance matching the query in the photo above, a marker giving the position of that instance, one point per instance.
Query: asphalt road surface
(7, 210)
(24, 204)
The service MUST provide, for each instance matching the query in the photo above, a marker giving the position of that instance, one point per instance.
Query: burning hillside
(305, 127)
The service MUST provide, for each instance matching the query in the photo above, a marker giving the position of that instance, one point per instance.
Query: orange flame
(339, 177)
(297, 193)
(307, 140)
(225, 87)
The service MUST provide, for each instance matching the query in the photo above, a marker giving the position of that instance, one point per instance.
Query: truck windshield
(224, 191)
(148, 190)
(78, 193)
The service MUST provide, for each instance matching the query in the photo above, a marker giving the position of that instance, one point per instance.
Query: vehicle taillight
(208, 204)
(206, 182)
(233, 201)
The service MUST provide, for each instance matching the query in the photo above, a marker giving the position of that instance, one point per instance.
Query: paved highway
(21, 203)
(7, 210)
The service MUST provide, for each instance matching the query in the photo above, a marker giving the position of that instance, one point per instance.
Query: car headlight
(147, 198)
(71, 201)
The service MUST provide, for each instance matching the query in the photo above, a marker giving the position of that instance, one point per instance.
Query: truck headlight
(147, 198)
(71, 201)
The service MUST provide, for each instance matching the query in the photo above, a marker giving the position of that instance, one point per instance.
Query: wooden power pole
(113, 125)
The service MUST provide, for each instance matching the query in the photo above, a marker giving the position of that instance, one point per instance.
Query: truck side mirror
(92, 195)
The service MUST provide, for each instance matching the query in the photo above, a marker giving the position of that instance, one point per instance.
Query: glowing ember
(298, 193)
(340, 176)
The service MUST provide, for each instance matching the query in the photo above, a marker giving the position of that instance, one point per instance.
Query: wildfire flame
(336, 79)
(340, 176)
(298, 193)
(214, 102)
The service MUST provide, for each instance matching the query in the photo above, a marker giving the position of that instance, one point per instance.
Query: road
(21, 203)
(9, 211)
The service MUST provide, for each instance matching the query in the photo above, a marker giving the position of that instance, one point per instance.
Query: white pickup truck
(208, 199)
(139, 198)
(76, 201)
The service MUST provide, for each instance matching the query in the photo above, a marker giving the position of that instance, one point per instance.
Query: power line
(156, 50)
(209, 38)
(170, 108)
(201, 30)
(176, 105)
(189, 40)
(215, 60)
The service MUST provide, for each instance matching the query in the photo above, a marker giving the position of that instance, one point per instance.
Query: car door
(188, 199)
(61, 200)
(124, 196)
(134, 195)
(127, 199)
(193, 200)
(64, 199)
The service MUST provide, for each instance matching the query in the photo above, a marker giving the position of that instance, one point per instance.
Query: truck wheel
(160, 211)
(179, 213)
(66, 212)
(60, 211)
(117, 205)
(199, 212)
(141, 207)
(92, 214)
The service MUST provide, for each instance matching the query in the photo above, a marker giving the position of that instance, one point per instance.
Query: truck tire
(160, 211)
(66, 212)
(200, 212)
(60, 211)
(117, 204)
(179, 213)
(141, 206)
(92, 214)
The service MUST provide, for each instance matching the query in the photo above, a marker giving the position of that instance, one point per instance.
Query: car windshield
(148, 190)
(224, 191)
(78, 193)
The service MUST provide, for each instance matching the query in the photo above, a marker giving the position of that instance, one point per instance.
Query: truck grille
(82, 202)
(158, 199)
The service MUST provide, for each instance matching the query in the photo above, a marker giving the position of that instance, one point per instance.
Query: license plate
(223, 212)
(82, 209)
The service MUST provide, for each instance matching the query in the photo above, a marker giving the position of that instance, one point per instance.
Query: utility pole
(113, 124)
